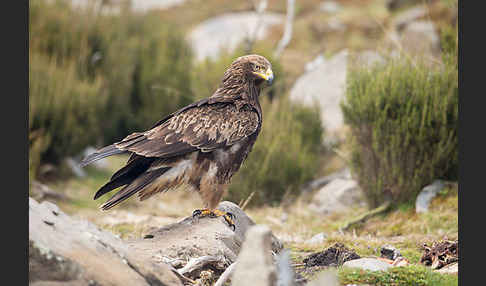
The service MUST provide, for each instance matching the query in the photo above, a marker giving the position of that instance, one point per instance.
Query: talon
(196, 213)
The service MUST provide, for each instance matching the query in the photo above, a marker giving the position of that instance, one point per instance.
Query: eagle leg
(228, 217)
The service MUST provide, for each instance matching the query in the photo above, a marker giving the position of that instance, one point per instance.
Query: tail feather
(125, 175)
(135, 186)
(100, 154)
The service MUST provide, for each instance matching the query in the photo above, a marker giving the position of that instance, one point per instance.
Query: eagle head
(253, 68)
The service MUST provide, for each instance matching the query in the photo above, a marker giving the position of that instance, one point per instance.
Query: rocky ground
(315, 240)
(158, 241)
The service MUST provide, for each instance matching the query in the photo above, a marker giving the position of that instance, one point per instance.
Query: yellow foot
(228, 217)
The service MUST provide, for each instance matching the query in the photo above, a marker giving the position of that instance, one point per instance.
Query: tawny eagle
(201, 145)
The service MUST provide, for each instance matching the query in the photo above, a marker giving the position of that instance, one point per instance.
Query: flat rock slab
(196, 238)
(76, 252)
(372, 264)
(227, 31)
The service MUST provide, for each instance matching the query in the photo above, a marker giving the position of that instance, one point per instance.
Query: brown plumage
(201, 145)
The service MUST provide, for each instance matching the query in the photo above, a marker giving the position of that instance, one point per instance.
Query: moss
(396, 276)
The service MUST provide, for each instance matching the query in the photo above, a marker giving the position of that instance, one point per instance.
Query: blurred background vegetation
(96, 77)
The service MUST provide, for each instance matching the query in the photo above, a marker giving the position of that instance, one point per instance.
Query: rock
(452, 268)
(426, 195)
(372, 264)
(115, 6)
(389, 252)
(324, 86)
(403, 19)
(285, 272)
(368, 58)
(42, 192)
(338, 196)
(317, 239)
(325, 278)
(255, 264)
(227, 31)
(312, 65)
(417, 39)
(330, 7)
(321, 182)
(75, 167)
(421, 37)
(207, 241)
(75, 252)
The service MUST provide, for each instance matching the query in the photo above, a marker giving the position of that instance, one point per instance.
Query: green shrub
(283, 157)
(62, 111)
(95, 78)
(404, 119)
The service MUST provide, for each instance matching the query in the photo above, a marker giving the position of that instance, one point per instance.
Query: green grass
(397, 276)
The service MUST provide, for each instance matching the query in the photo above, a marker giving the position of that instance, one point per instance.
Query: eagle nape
(228, 217)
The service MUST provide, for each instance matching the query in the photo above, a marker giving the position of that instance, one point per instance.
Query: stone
(410, 15)
(226, 32)
(452, 268)
(426, 195)
(368, 58)
(321, 182)
(336, 197)
(255, 264)
(418, 39)
(285, 272)
(421, 37)
(324, 86)
(330, 7)
(75, 252)
(389, 252)
(41, 192)
(75, 167)
(367, 263)
(317, 239)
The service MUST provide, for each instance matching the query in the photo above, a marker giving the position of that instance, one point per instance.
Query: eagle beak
(267, 76)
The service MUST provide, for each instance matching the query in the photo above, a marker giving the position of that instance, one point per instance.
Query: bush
(404, 119)
(96, 78)
(283, 157)
(62, 112)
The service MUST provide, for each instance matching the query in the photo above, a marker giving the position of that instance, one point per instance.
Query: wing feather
(203, 128)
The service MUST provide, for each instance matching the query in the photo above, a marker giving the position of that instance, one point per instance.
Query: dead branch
(226, 275)
(288, 29)
(363, 217)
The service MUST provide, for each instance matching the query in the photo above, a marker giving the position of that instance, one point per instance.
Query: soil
(335, 255)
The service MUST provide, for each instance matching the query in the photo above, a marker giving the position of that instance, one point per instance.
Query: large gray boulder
(337, 196)
(418, 39)
(368, 263)
(67, 251)
(63, 249)
(324, 85)
(226, 32)
(429, 192)
(197, 244)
